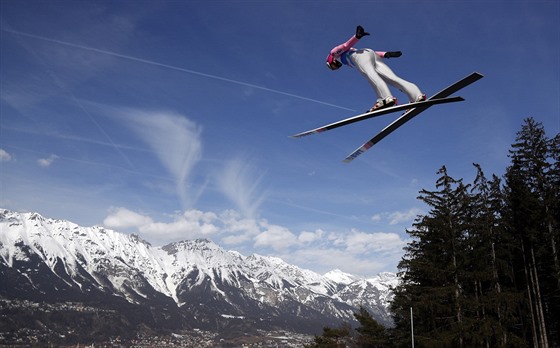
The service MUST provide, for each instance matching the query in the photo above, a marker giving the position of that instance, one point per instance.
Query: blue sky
(172, 119)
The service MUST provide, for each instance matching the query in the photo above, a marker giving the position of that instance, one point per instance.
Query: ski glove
(360, 32)
(394, 54)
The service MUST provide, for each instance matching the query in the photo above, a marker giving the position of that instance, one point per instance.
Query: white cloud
(240, 229)
(189, 225)
(405, 216)
(309, 237)
(5, 156)
(46, 162)
(234, 222)
(398, 217)
(122, 218)
(276, 237)
(236, 239)
(325, 259)
(379, 242)
(200, 216)
(354, 251)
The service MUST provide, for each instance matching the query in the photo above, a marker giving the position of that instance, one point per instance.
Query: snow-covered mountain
(194, 283)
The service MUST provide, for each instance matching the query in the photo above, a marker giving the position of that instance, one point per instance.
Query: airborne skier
(414, 110)
(371, 65)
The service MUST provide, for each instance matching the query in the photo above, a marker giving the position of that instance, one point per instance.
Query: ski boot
(384, 103)
(420, 98)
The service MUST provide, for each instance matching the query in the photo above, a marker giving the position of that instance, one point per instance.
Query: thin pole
(412, 327)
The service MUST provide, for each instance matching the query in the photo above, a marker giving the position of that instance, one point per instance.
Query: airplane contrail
(172, 67)
(62, 86)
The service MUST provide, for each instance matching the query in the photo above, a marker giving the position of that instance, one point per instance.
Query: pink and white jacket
(342, 52)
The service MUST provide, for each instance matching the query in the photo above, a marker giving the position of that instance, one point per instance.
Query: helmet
(332, 62)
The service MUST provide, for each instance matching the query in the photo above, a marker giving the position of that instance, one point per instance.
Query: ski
(376, 113)
(407, 116)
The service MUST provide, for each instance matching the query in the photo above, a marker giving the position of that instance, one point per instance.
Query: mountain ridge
(196, 282)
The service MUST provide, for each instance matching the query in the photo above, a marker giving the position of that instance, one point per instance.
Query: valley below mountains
(66, 283)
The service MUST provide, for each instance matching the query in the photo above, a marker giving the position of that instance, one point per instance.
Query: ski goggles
(332, 63)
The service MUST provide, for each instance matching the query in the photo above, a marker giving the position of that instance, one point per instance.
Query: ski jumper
(372, 66)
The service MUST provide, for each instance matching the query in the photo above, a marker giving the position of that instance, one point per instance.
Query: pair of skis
(413, 110)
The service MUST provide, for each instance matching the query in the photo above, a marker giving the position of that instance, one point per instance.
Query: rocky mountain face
(191, 284)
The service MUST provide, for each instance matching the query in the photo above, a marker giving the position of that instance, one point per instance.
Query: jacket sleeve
(338, 50)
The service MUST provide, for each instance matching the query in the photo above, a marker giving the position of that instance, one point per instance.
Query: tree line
(482, 267)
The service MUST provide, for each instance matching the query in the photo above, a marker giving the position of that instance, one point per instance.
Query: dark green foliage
(370, 334)
(482, 268)
(432, 269)
(532, 219)
(332, 338)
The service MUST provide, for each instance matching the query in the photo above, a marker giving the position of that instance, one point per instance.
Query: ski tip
(353, 155)
(306, 133)
(299, 135)
(477, 75)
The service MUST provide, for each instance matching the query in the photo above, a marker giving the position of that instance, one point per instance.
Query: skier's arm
(338, 50)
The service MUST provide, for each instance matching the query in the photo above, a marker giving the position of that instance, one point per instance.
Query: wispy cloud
(175, 140)
(404, 216)
(240, 182)
(46, 162)
(16, 99)
(398, 217)
(359, 242)
(5, 156)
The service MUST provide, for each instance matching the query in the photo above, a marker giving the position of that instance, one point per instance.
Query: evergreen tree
(531, 205)
(554, 233)
(490, 292)
(432, 269)
(371, 334)
(332, 338)
(482, 268)
(457, 270)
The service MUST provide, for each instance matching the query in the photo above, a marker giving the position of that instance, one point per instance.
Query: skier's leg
(409, 88)
(364, 61)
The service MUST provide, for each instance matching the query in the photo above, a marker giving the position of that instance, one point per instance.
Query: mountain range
(192, 284)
